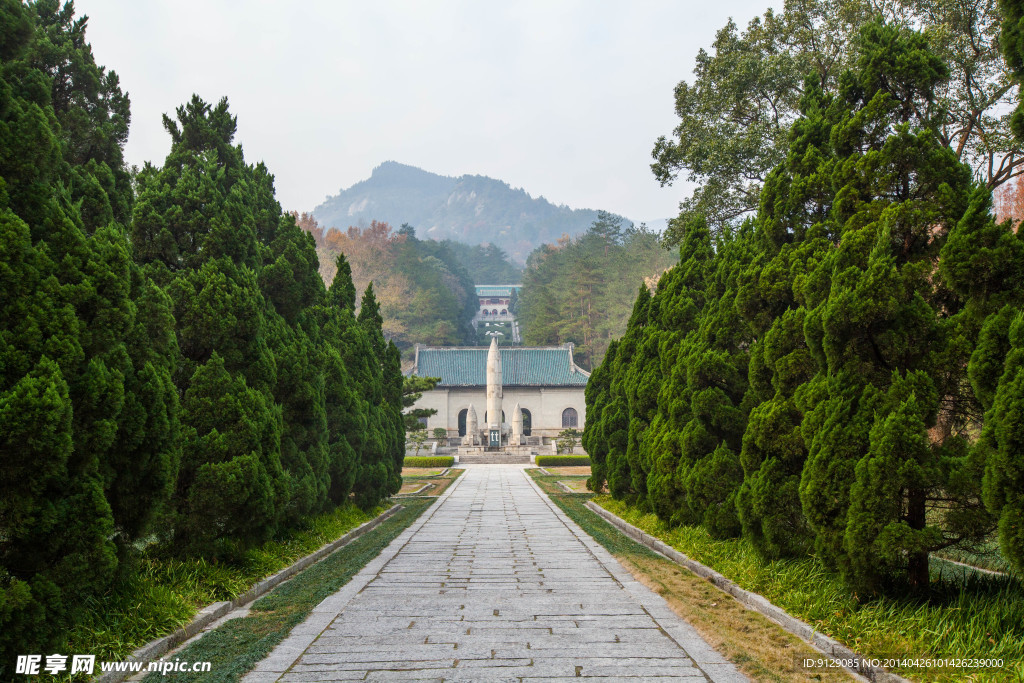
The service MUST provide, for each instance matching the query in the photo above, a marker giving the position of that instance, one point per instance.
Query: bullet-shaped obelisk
(472, 428)
(494, 386)
(517, 426)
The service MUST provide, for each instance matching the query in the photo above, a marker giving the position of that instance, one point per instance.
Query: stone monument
(517, 427)
(472, 437)
(494, 421)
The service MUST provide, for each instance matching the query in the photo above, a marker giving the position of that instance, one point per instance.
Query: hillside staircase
(496, 458)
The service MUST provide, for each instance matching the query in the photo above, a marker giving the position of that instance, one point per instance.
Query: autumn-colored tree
(424, 294)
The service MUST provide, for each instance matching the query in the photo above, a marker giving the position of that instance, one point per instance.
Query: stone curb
(206, 616)
(751, 600)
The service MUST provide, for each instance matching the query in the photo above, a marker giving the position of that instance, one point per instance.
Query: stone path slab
(493, 583)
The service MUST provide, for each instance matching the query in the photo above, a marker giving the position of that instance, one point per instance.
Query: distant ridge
(473, 209)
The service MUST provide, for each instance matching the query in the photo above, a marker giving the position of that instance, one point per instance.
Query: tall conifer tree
(88, 415)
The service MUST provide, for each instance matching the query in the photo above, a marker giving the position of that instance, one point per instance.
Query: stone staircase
(497, 458)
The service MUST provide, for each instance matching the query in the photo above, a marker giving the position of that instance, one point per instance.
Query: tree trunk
(917, 562)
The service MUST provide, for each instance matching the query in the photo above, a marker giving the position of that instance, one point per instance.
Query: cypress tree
(594, 440)
(207, 226)
(880, 332)
(87, 417)
(792, 234)
(342, 293)
(991, 276)
(378, 377)
(634, 398)
(673, 316)
(1003, 447)
(715, 365)
(230, 482)
(347, 413)
(292, 285)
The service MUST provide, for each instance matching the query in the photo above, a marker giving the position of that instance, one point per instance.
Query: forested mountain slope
(472, 209)
(581, 290)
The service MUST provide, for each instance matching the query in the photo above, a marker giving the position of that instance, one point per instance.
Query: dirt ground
(422, 471)
(570, 471)
(576, 485)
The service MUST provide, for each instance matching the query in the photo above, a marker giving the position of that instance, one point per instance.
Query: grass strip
(161, 594)
(237, 645)
(758, 647)
(974, 616)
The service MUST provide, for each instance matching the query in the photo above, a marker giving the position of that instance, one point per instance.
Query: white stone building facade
(544, 382)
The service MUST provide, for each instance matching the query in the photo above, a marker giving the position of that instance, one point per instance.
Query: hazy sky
(562, 98)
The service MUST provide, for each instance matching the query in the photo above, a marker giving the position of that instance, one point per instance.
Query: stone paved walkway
(493, 583)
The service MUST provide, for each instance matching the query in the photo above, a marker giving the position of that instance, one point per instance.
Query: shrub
(563, 461)
(427, 461)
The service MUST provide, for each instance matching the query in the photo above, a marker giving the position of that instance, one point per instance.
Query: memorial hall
(502, 397)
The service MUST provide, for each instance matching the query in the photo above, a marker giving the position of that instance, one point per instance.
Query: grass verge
(974, 616)
(237, 645)
(163, 594)
(757, 646)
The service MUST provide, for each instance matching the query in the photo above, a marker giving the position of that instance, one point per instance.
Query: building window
(462, 421)
(485, 312)
(494, 311)
(570, 420)
(422, 421)
(504, 312)
(527, 422)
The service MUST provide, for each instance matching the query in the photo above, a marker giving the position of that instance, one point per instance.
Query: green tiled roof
(520, 366)
(496, 290)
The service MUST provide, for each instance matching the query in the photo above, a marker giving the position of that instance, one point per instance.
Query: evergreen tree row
(172, 367)
(844, 373)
